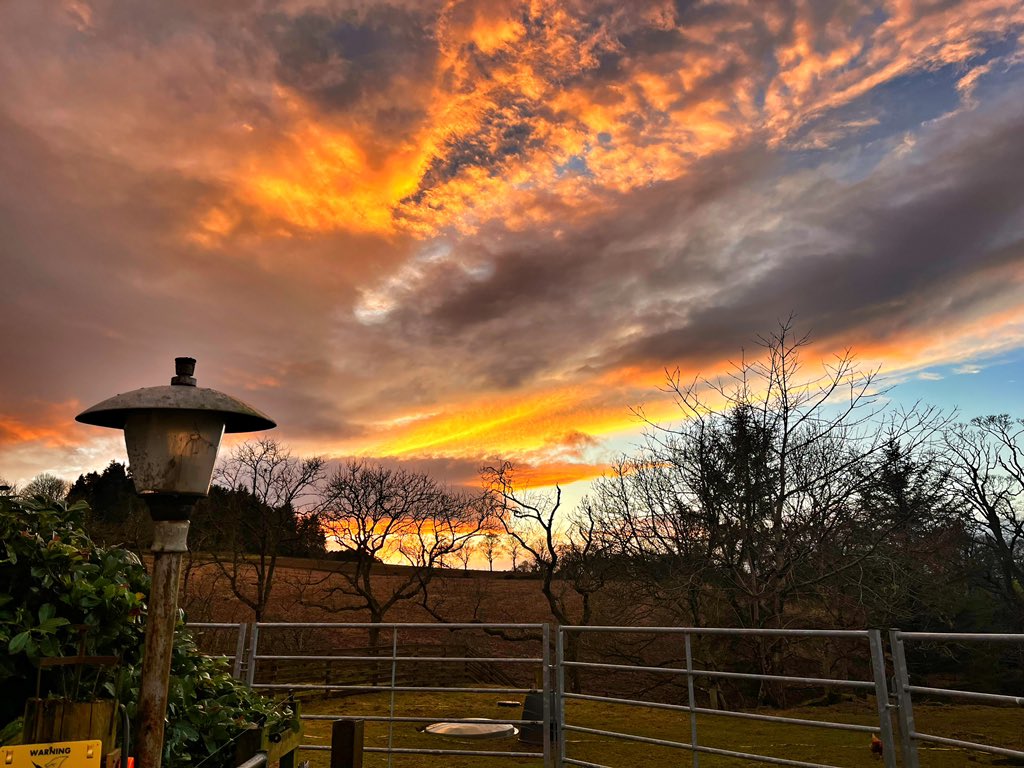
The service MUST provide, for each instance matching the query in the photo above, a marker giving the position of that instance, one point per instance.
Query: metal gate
(909, 735)
(391, 657)
(876, 685)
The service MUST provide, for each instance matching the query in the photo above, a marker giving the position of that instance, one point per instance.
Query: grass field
(1003, 727)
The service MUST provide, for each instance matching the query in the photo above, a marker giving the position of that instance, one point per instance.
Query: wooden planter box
(51, 720)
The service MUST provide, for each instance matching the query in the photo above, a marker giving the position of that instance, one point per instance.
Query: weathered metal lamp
(172, 434)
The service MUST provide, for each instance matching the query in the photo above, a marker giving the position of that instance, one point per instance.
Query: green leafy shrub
(60, 589)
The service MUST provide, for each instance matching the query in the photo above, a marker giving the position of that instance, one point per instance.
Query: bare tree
(46, 486)
(491, 547)
(568, 550)
(465, 554)
(762, 479)
(390, 516)
(987, 468)
(665, 550)
(515, 550)
(265, 504)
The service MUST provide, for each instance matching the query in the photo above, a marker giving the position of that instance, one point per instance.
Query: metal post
(560, 693)
(236, 668)
(901, 679)
(394, 675)
(547, 691)
(250, 669)
(169, 543)
(693, 701)
(882, 698)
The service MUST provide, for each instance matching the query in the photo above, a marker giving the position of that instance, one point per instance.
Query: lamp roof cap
(181, 395)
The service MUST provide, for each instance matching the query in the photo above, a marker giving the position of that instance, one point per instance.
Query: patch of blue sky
(973, 388)
(1005, 72)
(868, 125)
(574, 166)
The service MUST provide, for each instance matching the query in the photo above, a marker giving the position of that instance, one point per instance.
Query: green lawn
(1003, 727)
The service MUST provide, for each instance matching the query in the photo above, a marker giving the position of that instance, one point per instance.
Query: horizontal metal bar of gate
(849, 633)
(433, 719)
(493, 660)
(392, 625)
(383, 688)
(727, 713)
(433, 752)
(991, 698)
(730, 675)
(966, 745)
(997, 637)
(698, 748)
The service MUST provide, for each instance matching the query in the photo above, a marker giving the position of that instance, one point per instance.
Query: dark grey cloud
(699, 266)
(339, 60)
(506, 134)
(902, 247)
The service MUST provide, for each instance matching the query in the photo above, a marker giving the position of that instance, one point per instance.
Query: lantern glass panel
(172, 451)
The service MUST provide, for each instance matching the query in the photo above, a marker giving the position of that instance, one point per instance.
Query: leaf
(19, 641)
(50, 625)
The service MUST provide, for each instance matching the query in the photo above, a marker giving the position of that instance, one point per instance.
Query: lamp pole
(170, 542)
(172, 434)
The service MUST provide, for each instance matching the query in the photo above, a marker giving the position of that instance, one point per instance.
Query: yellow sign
(63, 754)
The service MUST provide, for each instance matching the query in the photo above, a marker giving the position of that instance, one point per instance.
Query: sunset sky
(444, 233)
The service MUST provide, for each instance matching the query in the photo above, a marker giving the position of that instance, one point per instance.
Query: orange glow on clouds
(323, 173)
(322, 178)
(552, 435)
(531, 117)
(50, 428)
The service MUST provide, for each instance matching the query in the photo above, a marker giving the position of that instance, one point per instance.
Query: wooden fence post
(347, 744)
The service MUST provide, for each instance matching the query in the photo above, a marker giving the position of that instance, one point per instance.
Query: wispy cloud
(968, 369)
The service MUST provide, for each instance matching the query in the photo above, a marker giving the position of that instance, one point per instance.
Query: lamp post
(172, 434)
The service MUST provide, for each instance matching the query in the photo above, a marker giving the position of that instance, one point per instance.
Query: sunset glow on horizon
(453, 232)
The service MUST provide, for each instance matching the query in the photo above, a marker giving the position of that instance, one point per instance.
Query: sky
(443, 234)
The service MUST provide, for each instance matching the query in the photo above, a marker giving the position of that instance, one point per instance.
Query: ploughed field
(310, 590)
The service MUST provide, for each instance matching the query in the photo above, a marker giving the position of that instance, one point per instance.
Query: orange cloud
(497, 75)
(988, 334)
(556, 473)
(52, 426)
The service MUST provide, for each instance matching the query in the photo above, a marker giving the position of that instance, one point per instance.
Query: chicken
(876, 746)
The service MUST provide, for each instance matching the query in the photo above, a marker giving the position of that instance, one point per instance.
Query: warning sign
(63, 754)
